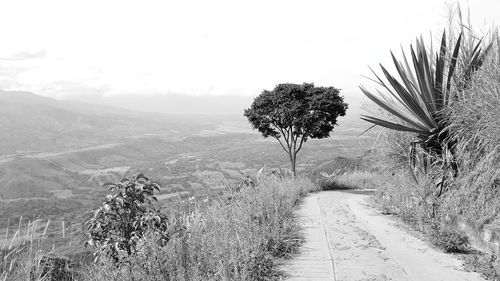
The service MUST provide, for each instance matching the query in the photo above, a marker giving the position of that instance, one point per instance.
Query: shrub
(472, 191)
(484, 264)
(450, 239)
(116, 228)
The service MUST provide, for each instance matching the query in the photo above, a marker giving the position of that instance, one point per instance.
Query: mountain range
(32, 123)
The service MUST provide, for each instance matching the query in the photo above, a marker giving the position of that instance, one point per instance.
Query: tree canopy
(294, 113)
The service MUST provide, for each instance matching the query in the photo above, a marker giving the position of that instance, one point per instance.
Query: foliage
(413, 202)
(398, 192)
(466, 115)
(358, 179)
(470, 122)
(118, 225)
(238, 236)
(485, 264)
(54, 268)
(474, 126)
(345, 173)
(450, 239)
(293, 113)
(423, 91)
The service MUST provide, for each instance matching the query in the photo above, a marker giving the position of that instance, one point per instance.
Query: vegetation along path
(348, 239)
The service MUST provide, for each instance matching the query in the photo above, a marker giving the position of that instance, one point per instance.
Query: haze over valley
(55, 155)
(249, 140)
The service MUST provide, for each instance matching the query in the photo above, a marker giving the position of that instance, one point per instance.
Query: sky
(110, 48)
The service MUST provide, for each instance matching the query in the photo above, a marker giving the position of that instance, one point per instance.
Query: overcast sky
(60, 48)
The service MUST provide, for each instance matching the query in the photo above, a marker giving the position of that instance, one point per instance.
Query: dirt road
(348, 239)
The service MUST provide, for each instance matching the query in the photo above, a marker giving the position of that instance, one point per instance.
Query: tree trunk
(293, 154)
(292, 163)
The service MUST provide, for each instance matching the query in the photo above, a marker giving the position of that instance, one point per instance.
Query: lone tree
(293, 113)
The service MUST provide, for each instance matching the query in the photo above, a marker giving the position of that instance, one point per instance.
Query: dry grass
(239, 236)
(24, 256)
(473, 193)
(357, 179)
(475, 127)
(346, 173)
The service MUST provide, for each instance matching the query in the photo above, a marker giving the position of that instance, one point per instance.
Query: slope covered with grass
(452, 194)
(241, 235)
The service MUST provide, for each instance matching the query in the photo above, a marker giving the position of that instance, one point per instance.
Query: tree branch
(283, 134)
(282, 146)
(301, 142)
(296, 138)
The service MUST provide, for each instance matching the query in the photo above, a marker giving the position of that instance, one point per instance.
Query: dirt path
(347, 239)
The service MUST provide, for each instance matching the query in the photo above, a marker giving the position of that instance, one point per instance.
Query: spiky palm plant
(427, 84)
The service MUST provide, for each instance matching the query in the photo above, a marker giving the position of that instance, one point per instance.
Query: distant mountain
(174, 103)
(186, 104)
(29, 122)
(56, 154)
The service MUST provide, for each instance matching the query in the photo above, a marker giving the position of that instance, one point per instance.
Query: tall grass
(357, 179)
(475, 126)
(24, 256)
(345, 173)
(401, 191)
(470, 205)
(239, 236)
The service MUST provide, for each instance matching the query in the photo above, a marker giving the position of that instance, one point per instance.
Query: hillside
(32, 123)
(63, 151)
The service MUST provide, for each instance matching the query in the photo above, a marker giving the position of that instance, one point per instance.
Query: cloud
(11, 71)
(26, 55)
(7, 84)
(221, 47)
(14, 66)
(9, 75)
(64, 88)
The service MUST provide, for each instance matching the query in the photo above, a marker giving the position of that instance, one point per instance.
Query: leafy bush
(450, 239)
(116, 228)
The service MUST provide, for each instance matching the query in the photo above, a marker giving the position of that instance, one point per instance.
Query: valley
(197, 157)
